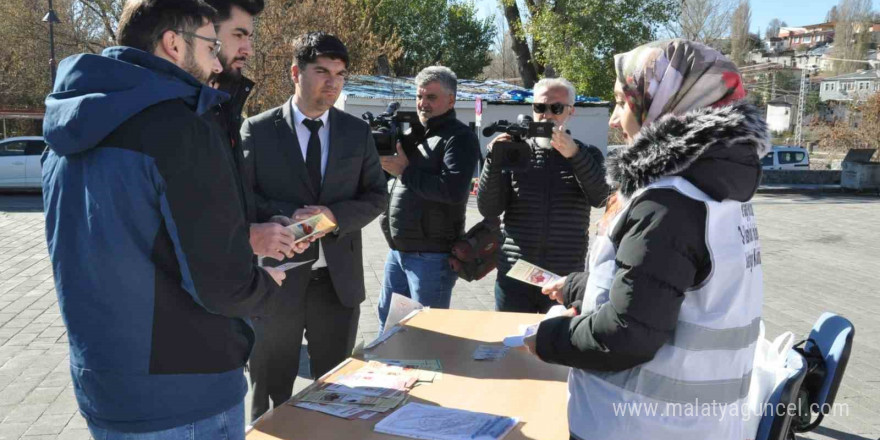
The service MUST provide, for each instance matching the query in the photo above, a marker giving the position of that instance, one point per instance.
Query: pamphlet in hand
(555, 311)
(311, 226)
(287, 266)
(524, 332)
(416, 420)
(531, 274)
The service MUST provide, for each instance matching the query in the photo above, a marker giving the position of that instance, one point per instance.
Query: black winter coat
(228, 117)
(427, 203)
(661, 238)
(546, 208)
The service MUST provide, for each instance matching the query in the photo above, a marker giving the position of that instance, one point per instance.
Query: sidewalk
(784, 188)
(820, 253)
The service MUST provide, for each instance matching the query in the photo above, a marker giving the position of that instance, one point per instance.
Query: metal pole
(52, 19)
(799, 130)
(52, 46)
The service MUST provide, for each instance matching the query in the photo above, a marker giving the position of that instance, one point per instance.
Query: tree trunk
(524, 62)
(533, 7)
(383, 67)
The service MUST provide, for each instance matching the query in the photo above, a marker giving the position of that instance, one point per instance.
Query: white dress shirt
(302, 135)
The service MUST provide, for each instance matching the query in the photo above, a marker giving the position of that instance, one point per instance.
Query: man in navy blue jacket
(148, 241)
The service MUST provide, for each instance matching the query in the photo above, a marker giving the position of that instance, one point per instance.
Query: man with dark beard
(235, 29)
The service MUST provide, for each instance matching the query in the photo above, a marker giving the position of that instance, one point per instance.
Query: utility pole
(802, 99)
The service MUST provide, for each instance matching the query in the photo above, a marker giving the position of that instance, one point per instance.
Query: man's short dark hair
(224, 7)
(308, 47)
(143, 22)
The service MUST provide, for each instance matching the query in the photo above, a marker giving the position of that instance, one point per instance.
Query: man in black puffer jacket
(428, 199)
(547, 207)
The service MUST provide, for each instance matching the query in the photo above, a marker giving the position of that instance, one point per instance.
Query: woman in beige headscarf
(671, 303)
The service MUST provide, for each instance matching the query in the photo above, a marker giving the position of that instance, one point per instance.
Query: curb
(813, 189)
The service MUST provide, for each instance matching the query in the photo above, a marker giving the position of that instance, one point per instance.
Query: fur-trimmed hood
(716, 149)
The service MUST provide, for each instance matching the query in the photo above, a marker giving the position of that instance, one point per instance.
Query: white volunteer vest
(695, 387)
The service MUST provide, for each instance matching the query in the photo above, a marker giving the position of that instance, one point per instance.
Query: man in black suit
(306, 157)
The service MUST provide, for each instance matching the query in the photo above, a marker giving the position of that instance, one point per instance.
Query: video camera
(388, 128)
(516, 155)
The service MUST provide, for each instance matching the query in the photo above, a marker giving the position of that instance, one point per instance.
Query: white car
(786, 158)
(20, 162)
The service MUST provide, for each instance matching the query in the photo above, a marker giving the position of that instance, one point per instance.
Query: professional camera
(388, 128)
(516, 155)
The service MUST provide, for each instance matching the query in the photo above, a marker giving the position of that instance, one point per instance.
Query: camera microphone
(489, 130)
(392, 108)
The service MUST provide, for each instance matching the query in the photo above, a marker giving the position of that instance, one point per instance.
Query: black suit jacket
(353, 189)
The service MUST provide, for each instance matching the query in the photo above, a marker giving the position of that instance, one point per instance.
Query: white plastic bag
(768, 371)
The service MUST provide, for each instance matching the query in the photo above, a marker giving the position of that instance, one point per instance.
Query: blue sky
(793, 12)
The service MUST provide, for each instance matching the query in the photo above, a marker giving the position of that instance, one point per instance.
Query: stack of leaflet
(377, 387)
(416, 420)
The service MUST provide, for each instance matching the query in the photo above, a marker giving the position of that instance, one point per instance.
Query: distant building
(774, 45)
(849, 87)
(800, 38)
(819, 58)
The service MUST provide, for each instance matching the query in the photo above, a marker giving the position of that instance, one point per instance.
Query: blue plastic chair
(831, 340)
(776, 420)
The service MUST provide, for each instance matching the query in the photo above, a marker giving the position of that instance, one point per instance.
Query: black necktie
(313, 152)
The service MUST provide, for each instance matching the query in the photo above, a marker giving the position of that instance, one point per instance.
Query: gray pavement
(820, 253)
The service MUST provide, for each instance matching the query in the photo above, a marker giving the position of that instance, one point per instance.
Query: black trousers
(329, 327)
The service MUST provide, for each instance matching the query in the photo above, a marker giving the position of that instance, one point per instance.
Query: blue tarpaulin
(385, 87)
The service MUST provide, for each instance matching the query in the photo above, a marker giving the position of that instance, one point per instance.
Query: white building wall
(779, 118)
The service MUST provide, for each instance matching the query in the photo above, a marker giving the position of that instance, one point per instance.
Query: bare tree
(852, 36)
(706, 21)
(503, 64)
(105, 12)
(740, 42)
(832, 15)
(774, 27)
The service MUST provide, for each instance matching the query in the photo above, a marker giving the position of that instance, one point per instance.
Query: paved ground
(819, 253)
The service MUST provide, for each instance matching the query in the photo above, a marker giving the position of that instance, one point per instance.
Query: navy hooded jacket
(148, 242)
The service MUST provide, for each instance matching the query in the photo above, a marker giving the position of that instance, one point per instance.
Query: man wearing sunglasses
(546, 209)
(147, 237)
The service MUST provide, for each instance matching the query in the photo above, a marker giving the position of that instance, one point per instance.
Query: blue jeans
(228, 425)
(423, 276)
